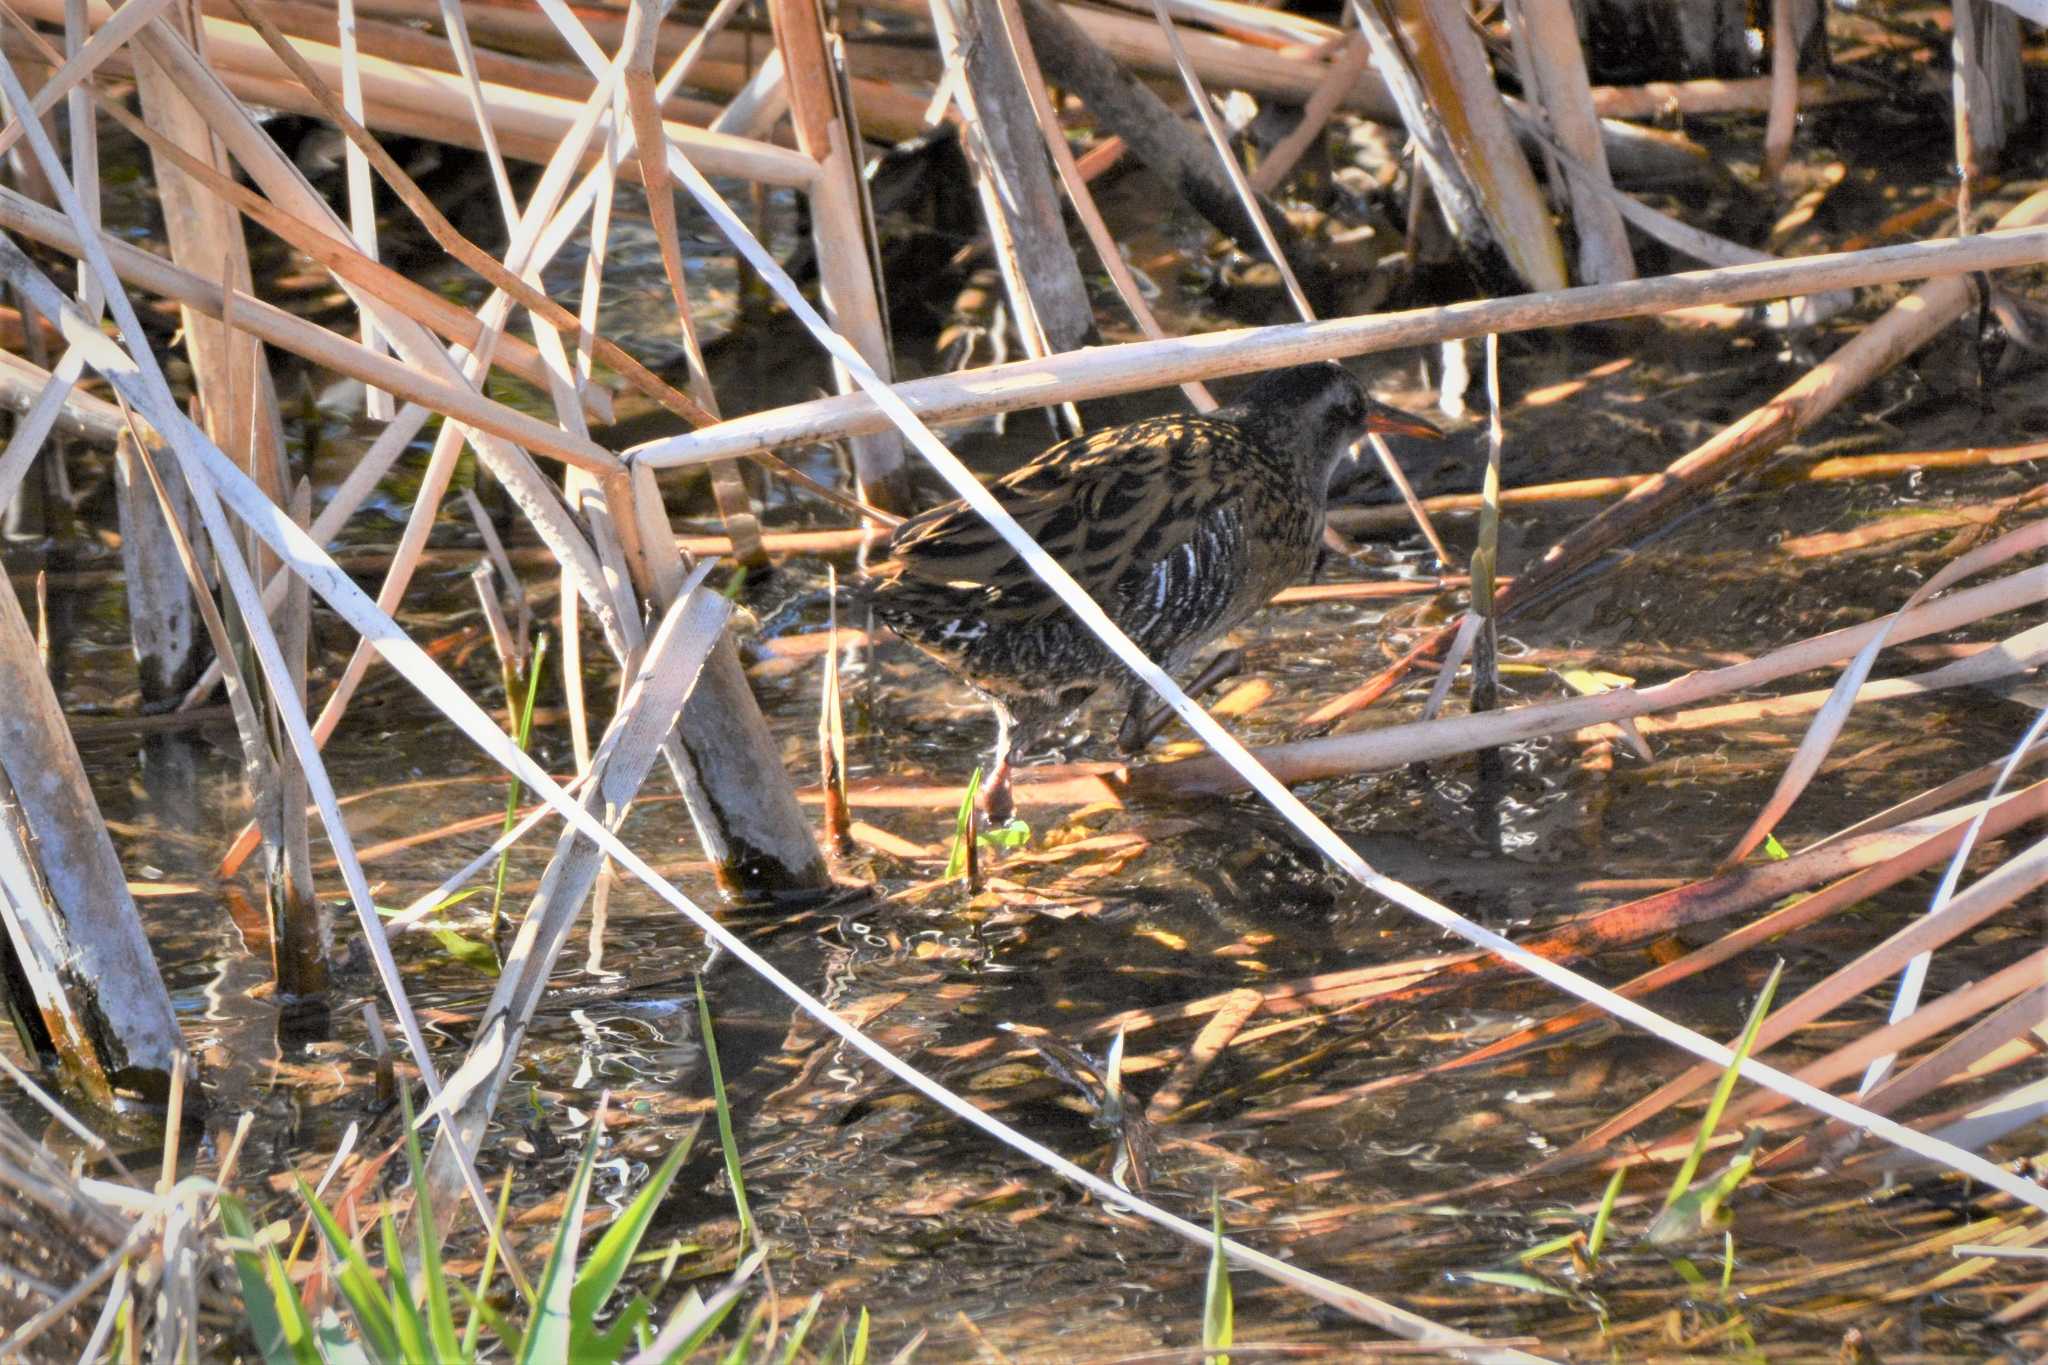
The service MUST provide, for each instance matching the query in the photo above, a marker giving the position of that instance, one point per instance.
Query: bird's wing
(1103, 504)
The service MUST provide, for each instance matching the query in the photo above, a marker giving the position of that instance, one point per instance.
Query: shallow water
(880, 1202)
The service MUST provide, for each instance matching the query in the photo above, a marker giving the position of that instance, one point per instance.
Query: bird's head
(1321, 413)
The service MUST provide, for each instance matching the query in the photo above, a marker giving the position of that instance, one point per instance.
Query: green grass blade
(1712, 1118)
(277, 1320)
(610, 1345)
(357, 1281)
(405, 1316)
(801, 1330)
(483, 1279)
(1604, 1219)
(508, 1334)
(742, 1347)
(1216, 1304)
(608, 1260)
(439, 1299)
(512, 789)
(727, 1143)
(857, 1354)
(549, 1332)
(963, 820)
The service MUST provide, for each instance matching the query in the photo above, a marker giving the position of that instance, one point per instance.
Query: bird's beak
(1394, 422)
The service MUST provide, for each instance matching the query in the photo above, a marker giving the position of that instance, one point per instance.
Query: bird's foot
(1142, 724)
(995, 803)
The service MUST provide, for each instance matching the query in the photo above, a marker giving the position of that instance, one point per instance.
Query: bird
(1180, 527)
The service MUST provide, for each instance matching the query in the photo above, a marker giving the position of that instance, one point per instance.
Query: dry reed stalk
(2006, 885)
(1436, 68)
(1157, 136)
(840, 227)
(642, 101)
(436, 105)
(1784, 86)
(2003, 1037)
(362, 204)
(315, 343)
(1075, 183)
(355, 489)
(1746, 443)
(1827, 724)
(77, 416)
(1707, 98)
(1133, 366)
(832, 738)
(1557, 66)
(507, 281)
(163, 619)
(83, 957)
(265, 321)
(140, 382)
(2010, 1000)
(1881, 859)
(1001, 135)
(1219, 142)
(31, 434)
(1831, 469)
(1211, 1042)
(282, 181)
(1345, 69)
(1988, 88)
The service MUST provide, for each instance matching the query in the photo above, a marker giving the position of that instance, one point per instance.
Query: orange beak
(1394, 422)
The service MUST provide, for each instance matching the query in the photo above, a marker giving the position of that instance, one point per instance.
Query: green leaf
(801, 1330)
(357, 1281)
(1216, 1304)
(1604, 1219)
(277, 1320)
(440, 1304)
(507, 1333)
(610, 1345)
(857, 1354)
(608, 1260)
(727, 1143)
(1515, 1279)
(740, 1351)
(405, 1316)
(1773, 849)
(483, 1279)
(963, 820)
(549, 1331)
(1016, 834)
(467, 951)
(1712, 1118)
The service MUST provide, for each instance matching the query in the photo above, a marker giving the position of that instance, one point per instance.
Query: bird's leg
(1143, 722)
(995, 803)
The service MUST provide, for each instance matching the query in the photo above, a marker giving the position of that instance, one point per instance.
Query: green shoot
(963, 820)
(1216, 1303)
(512, 788)
(727, 1143)
(1604, 1218)
(1712, 1118)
